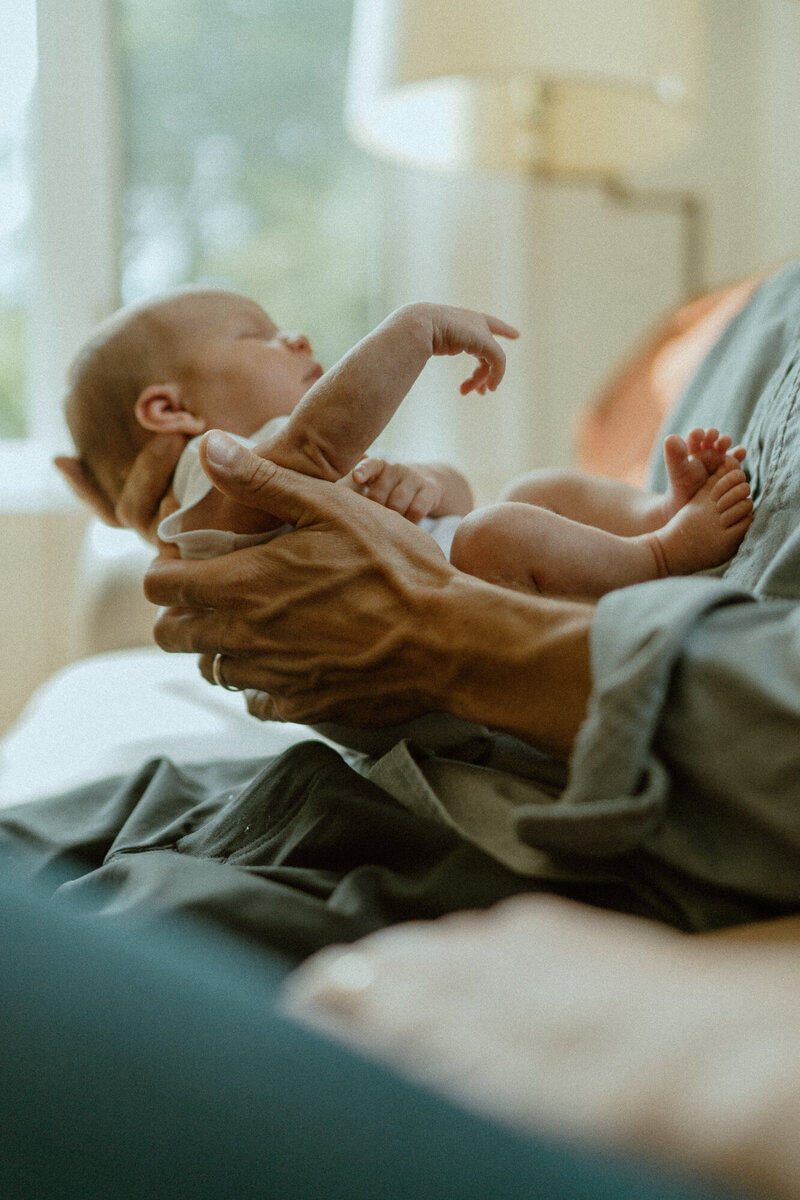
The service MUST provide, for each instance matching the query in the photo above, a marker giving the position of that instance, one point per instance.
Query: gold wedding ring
(216, 674)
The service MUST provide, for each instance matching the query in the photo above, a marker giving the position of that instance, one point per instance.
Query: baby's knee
(482, 541)
(469, 541)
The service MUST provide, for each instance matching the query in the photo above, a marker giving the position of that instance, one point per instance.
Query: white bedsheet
(111, 713)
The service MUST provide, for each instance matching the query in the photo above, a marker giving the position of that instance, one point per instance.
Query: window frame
(76, 230)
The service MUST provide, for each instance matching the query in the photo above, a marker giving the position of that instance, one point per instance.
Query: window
(236, 163)
(200, 140)
(17, 74)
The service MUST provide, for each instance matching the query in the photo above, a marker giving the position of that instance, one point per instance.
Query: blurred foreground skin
(607, 1029)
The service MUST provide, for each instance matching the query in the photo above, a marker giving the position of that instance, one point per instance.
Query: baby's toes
(732, 497)
(726, 477)
(736, 513)
(676, 450)
(694, 440)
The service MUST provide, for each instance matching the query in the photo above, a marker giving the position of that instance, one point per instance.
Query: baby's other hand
(407, 490)
(462, 331)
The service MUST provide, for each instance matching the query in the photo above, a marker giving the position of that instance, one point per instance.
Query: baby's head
(193, 360)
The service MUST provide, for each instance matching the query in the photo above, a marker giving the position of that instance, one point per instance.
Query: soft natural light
(421, 124)
(128, 177)
(17, 60)
(17, 78)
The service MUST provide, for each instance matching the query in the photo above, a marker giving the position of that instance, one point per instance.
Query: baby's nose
(297, 341)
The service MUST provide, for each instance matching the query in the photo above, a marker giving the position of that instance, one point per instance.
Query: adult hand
(140, 505)
(600, 1027)
(356, 617)
(323, 622)
(86, 489)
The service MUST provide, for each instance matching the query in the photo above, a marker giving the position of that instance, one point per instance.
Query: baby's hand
(461, 331)
(406, 490)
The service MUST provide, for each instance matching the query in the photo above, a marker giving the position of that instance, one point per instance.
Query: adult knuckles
(164, 632)
(163, 583)
(262, 472)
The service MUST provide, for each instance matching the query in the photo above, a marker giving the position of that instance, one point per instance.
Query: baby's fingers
(480, 378)
(502, 328)
(407, 498)
(368, 470)
(379, 480)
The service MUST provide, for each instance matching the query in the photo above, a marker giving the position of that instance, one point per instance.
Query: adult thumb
(254, 481)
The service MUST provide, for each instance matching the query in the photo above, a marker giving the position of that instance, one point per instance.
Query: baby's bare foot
(707, 530)
(689, 464)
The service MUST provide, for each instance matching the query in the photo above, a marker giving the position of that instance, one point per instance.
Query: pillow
(615, 436)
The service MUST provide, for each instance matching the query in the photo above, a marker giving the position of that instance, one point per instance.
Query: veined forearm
(489, 640)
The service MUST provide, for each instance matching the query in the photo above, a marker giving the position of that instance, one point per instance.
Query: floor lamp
(574, 90)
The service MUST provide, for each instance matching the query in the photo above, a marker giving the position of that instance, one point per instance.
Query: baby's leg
(604, 503)
(707, 530)
(556, 489)
(530, 549)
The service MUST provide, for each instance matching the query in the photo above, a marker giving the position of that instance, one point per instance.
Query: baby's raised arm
(344, 412)
(340, 417)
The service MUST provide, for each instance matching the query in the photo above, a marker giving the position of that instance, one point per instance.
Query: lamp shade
(581, 87)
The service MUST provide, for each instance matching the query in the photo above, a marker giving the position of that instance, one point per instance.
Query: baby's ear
(160, 409)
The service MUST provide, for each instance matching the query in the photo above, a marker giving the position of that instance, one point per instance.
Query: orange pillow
(616, 435)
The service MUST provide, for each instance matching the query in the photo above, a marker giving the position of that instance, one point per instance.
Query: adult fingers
(85, 489)
(261, 705)
(205, 664)
(260, 483)
(198, 631)
(148, 480)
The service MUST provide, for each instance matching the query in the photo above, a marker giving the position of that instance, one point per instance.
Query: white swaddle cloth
(191, 484)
